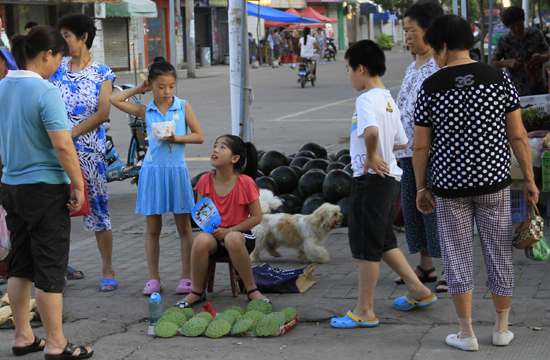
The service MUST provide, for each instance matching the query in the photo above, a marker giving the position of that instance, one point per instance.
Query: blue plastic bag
(274, 280)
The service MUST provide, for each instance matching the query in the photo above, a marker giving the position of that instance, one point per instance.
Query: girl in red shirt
(234, 192)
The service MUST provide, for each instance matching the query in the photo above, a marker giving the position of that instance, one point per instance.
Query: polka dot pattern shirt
(465, 106)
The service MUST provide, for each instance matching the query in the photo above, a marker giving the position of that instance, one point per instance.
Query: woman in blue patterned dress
(86, 87)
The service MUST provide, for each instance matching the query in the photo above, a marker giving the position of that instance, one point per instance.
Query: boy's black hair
(451, 30)
(424, 13)
(512, 14)
(275, 31)
(159, 58)
(368, 54)
(159, 68)
(79, 24)
(30, 25)
(40, 38)
(248, 156)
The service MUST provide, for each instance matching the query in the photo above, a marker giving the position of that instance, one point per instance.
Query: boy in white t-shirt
(376, 132)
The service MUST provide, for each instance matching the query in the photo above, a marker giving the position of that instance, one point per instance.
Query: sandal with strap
(442, 285)
(24, 350)
(68, 352)
(186, 304)
(253, 291)
(425, 278)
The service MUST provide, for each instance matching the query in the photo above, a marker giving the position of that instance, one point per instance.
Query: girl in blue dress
(164, 184)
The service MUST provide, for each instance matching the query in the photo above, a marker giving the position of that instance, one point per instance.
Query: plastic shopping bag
(161, 130)
(274, 280)
(539, 251)
(4, 235)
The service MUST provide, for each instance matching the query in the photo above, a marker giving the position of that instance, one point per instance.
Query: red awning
(270, 24)
(312, 14)
(313, 27)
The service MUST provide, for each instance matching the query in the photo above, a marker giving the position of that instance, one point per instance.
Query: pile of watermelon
(305, 180)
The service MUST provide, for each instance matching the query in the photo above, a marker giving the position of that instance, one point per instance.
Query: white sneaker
(500, 338)
(468, 344)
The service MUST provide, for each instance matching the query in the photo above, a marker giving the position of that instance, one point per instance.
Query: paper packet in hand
(161, 130)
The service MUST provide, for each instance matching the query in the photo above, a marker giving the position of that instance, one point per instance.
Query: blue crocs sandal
(351, 321)
(108, 282)
(405, 303)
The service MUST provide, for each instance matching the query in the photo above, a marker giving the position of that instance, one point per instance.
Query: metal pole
(490, 36)
(172, 27)
(455, 7)
(526, 9)
(236, 18)
(190, 35)
(246, 89)
(464, 9)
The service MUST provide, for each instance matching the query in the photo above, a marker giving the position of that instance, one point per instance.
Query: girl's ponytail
(251, 166)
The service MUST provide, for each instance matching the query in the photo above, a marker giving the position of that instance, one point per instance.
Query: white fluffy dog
(306, 233)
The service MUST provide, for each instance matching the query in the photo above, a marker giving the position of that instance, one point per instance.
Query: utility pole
(190, 37)
(172, 10)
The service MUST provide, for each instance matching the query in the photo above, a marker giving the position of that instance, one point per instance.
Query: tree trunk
(482, 33)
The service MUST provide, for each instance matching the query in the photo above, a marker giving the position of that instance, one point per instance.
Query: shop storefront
(333, 9)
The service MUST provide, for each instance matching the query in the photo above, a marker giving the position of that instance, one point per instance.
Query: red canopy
(312, 14)
(270, 24)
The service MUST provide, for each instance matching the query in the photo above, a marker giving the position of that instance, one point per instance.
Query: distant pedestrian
(29, 26)
(308, 44)
(164, 185)
(467, 117)
(376, 132)
(270, 43)
(322, 43)
(295, 40)
(39, 161)
(235, 194)
(276, 46)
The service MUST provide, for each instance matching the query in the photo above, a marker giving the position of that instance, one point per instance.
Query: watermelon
(266, 182)
(299, 161)
(289, 160)
(335, 165)
(272, 160)
(316, 164)
(337, 185)
(292, 155)
(293, 203)
(296, 192)
(259, 174)
(298, 171)
(286, 179)
(312, 203)
(332, 157)
(348, 169)
(342, 152)
(261, 153)
(346, 159)
(196, 178)
(283, 209)
(344, 209)
(307, 153)
(319, 151)
(311, 182)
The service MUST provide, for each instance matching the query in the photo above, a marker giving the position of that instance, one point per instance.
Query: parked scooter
(331, 47)
(116, 169)
(304, 72)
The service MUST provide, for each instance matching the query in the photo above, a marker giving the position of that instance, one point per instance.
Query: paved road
(115, 323)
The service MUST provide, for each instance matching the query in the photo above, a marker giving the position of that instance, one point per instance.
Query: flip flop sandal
(152, 286)
(68, 352)
(24, 350)
(350, 321)
(405, 303)
(70, 274)
(442, 283)
(425, 278)
(186, 304)
(185, 286)
(253, 291)
(108, 282)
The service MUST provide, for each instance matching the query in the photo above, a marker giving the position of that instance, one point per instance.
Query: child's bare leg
(397, 261)
(185, 231)
(152, 247)
(235, 245)
(203, 246)
(368, 277)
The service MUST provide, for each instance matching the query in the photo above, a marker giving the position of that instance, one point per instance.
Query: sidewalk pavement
(115, 323)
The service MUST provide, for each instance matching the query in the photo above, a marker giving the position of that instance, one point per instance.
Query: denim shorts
(40, 227)
(371, 214)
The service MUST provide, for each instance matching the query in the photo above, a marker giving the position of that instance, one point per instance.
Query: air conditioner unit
(363, 19)
(99, 11)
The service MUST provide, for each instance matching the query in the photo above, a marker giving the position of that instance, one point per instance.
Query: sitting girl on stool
(233, 190)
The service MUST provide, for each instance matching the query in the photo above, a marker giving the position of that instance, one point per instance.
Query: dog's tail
(269, 201)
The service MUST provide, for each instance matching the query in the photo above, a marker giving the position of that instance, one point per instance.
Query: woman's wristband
(421, 190)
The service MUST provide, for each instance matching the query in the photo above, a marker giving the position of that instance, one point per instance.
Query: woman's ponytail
(251, 166)
(18, 51)
(307, 31)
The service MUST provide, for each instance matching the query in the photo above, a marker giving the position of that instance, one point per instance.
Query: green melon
(346, 159)
(337, 185)
(344, 209)
(311, 182)
(286, 179)
(335, 165)
(272, 160)
(319, 151)
(266, 182)
(299, 161)
(312, 203)
(348, 169)
(320, 164)
(293, 204)
(342, 152)
(298, 171)
(307, 153)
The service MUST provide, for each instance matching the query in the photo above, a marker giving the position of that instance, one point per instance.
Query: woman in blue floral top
(86, 87)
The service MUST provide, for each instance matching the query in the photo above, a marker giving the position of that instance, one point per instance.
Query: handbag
(530, 230)
(4, 235)
(539, 251)
(85, 209)
(273, 280)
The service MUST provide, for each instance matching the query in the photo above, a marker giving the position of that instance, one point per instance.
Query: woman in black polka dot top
(466, 117)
